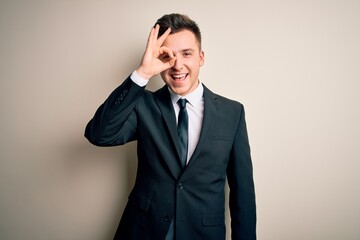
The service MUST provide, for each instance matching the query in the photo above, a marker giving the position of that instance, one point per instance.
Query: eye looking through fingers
(165, 54)
(164, 57)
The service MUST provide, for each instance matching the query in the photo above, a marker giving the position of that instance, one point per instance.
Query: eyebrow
(188, 50)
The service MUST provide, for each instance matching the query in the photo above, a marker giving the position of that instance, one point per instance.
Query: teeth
(179, 76)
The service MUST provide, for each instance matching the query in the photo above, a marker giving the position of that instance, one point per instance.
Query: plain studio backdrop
(295, 65)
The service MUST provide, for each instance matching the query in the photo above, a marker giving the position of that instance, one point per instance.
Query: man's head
(184, 42)
(178, 22)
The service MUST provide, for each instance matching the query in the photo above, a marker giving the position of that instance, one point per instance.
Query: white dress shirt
(194, 107)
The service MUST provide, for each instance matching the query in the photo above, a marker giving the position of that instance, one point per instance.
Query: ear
(202, 58)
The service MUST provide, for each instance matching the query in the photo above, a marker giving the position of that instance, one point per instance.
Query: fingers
(162, 38)
(153, 36)
(167, 57)
(156, 58)
(167, 63)
(172, 62)
(166, 50)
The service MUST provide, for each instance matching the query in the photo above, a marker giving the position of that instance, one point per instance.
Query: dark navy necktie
(183, 124)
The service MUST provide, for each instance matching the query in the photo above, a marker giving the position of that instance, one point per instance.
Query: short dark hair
(178, 22)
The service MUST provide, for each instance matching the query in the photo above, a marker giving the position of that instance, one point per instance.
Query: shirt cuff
(138, 80)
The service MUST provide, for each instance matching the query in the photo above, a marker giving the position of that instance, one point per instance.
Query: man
(185, 151)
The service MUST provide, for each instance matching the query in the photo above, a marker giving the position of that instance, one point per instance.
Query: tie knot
(182, 102)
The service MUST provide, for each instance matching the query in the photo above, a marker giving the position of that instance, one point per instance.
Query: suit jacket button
(180, 185)
(167, 219)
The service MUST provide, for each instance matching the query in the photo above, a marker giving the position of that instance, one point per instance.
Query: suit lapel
(162, 98)
(209, 120)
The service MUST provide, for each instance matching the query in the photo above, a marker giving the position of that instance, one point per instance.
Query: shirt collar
(193, 98)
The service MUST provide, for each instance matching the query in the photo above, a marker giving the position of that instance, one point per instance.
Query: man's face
(182, 78)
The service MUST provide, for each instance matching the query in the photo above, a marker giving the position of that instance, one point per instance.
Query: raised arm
(115, 121)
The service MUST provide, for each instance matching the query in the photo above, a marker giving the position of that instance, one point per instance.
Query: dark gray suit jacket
(193, 198)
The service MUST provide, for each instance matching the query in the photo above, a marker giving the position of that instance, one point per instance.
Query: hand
(156, 58)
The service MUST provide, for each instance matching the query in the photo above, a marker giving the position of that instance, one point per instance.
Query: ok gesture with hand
(152, 62)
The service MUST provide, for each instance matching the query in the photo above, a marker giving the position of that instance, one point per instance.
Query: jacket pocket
(213, 219)
(140, 201)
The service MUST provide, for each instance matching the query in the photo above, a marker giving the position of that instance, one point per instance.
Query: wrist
(143, 73)
(136, 78)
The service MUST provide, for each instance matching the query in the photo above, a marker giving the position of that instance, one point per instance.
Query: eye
(187, 54)
(164, 57)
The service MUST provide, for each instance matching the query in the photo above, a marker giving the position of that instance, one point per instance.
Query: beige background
(294, 64)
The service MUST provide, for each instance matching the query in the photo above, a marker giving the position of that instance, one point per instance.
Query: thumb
(171, 62)
(168, 64)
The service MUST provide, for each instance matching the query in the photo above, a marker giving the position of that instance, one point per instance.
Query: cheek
(195, 67)
(192, 65)
(196, 63)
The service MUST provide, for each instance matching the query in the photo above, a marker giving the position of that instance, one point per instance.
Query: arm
(115, 120)
(242, 193)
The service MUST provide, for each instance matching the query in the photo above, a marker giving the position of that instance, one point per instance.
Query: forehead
(184, 39)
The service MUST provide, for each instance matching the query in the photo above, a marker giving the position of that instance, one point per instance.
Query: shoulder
(151, 99)
(223, 101)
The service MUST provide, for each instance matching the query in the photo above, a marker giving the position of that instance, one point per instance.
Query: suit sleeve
(241, 184)
(115, 121)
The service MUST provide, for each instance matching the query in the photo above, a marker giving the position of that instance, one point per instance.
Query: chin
(178, 90)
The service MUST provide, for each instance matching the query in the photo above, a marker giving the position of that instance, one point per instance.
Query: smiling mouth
(179, 77)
